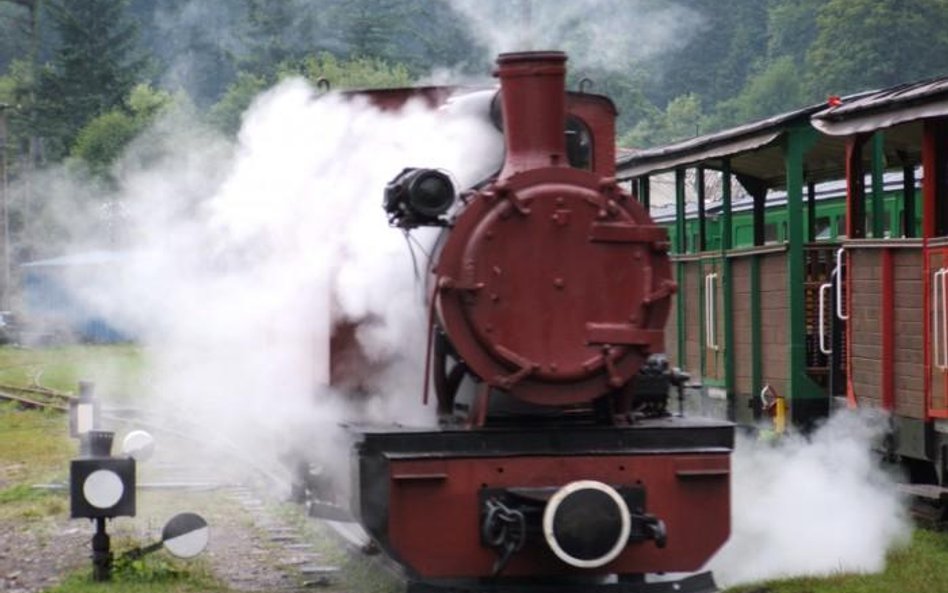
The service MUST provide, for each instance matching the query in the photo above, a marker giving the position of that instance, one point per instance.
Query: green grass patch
(920, 567)
(35, 443)
(35, 448)
(155, 573)
(117, 370)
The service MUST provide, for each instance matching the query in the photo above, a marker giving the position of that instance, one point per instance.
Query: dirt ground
(254, 546)
(257, 541)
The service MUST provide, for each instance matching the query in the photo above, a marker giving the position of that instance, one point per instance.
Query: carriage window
(743, 235)
(823, 229)
(770, 232)
(578, 143)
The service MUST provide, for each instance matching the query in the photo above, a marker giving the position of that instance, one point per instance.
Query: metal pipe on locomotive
(556, 455)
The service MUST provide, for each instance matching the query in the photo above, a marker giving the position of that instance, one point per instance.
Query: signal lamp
(83, 412)
(419, 197)
(101, 486)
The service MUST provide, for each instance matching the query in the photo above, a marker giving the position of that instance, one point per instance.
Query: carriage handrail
(710, 311)
(824, 289)
(940, 321)
(840, 308)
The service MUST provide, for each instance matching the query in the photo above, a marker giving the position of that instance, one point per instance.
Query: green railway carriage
(829, 220)
(816, 264)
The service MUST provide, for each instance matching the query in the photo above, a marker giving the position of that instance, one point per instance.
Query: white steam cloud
(812, 506)
(602, 34)
(246, 256)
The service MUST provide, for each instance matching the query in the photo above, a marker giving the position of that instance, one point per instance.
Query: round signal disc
(103, 489)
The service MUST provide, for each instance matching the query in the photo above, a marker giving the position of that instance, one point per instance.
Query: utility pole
(4, 211)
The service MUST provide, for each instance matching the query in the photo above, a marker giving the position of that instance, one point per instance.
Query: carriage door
(826, 362)
(712, 357)
(936, 338)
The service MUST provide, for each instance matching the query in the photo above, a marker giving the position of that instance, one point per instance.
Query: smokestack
(533, 98)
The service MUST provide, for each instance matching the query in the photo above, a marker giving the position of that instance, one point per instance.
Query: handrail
(944, 319)
(710, 311)
(940, 321)
(840, 280)
(935, 325)
(824, 289)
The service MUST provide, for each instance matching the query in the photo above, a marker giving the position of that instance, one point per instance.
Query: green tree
(354, 73)
(16, 88)
(719, 57)
(193, 44)
(681, 119)
(341, 74)
(226, 114)
(92, 71)
(864, 44)
(777, 89)
(791, 28)
(103, 140)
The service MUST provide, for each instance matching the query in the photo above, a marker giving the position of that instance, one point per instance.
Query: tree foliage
(864, 44)
(738, 60)
(103, 140)
(681, 119)
(92, 71)
(776, 89)
(354, 73)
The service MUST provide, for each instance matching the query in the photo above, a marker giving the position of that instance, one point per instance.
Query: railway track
(36, 397)
(929, 504)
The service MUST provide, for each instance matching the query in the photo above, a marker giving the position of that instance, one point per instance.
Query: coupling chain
(503, 528)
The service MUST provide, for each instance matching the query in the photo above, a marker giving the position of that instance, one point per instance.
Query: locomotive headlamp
(587, 524)
(419, 197)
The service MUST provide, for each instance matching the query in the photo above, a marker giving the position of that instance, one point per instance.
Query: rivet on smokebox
(559, 283)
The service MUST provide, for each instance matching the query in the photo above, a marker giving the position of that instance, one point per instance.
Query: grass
(920, 567)
(35, 448)
(156, 573)
(117, 371)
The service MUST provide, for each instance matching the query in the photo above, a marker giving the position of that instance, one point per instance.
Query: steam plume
(812, 507)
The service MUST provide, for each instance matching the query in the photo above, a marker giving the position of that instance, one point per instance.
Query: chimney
(533, 99)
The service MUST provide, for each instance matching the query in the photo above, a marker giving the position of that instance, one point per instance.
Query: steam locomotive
(557, 462)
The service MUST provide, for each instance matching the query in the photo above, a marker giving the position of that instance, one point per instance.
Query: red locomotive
(557, 460)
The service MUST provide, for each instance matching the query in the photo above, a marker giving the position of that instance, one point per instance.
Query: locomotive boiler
(557, 463)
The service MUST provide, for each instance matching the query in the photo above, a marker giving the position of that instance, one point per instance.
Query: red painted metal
(599, 113)
(888, 330)
(936, 404)
(929, 187)
(855, 227)
(395, 99)
(540, 260)
(929, 223)
(434, 510)
(855, 190)
(533, 97)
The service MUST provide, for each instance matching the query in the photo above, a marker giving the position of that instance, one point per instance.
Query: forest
(80, 80)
